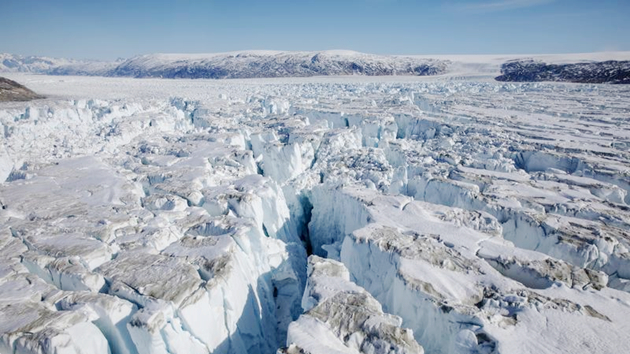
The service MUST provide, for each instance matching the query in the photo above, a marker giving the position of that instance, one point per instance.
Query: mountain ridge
(587, 67)
(255, 64)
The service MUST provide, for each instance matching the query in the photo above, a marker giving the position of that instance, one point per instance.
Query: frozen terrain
(315, 215)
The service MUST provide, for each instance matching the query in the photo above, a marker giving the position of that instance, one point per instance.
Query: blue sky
(117, 28)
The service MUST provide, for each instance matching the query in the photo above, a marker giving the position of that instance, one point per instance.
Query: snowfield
(314, 215)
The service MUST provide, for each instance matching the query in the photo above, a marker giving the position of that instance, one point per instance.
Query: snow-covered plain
(176, 216)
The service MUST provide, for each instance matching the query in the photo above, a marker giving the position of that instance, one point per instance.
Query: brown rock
(12, 91)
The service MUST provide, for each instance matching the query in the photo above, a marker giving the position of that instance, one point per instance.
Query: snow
(334, 305)
(177, 216)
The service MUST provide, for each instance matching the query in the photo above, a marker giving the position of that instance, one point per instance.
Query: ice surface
(335, 305)
(487, 217)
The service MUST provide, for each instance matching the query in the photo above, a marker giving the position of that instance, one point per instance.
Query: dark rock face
(12, 91)
(611, 72)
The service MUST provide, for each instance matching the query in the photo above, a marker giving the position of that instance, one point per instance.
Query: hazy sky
(117, 28)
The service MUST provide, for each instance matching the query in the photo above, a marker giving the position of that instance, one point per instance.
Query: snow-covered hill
(11, 63)
(29, 64)
(247, 64)
(254, 64)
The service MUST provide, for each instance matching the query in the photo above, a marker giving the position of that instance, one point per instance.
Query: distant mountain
(54, 66)
(30, 64)
(12, 91)
(250, 64)
(266, 64)
(581, 68)
(613, 72)
(84, 68)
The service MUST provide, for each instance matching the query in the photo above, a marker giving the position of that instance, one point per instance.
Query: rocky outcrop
(12, 91)
(610, 72)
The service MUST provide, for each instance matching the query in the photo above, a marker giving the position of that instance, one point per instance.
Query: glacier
(313, 215)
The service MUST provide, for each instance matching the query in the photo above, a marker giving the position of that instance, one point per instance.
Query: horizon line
(339, 51)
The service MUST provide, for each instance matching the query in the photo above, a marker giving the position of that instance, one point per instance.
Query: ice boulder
(341, 317)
